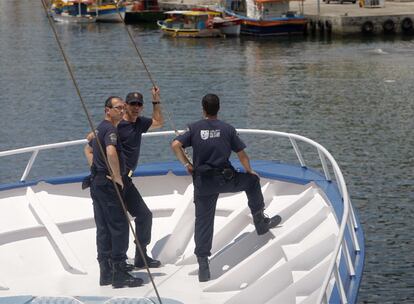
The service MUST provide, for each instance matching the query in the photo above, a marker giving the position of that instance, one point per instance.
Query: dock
(376, 17)
(369, 17)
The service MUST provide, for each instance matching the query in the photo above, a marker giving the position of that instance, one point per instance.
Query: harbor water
(353, 95)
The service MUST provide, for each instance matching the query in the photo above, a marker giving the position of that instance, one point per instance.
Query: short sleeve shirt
(213, 141)
(130, 134)
(108, 135)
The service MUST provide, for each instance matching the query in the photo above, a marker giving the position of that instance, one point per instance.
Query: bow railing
(348, 219)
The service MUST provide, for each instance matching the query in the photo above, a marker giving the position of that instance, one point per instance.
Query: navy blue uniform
(213, 141)
(112, 233)
(130, 134)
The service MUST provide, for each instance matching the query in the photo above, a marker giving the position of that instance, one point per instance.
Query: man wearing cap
(111, 225)
(130, 129)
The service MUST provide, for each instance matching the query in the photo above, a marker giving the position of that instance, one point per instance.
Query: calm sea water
(354, 96)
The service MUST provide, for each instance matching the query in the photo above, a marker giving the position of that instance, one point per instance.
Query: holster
(87, 180)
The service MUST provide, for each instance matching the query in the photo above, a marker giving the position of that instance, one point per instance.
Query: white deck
(47, 244)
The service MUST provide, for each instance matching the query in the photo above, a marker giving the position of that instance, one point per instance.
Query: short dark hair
(108, 101)
(211, 104)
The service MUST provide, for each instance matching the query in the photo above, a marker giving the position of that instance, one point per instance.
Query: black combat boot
(261, 222)
(105, 277)
(139, 262)
(203, 269)
(127, 267)
(121, 278)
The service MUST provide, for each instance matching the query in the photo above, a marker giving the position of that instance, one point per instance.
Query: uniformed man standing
(130, 131)
(112, 229)
(213, 141)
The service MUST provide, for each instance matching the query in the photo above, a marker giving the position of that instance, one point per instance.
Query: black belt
(227, 173)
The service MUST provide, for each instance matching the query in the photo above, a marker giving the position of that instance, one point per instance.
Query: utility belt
(228, 173)
(95, 172)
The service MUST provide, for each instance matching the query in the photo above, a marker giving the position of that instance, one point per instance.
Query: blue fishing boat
(266, 17)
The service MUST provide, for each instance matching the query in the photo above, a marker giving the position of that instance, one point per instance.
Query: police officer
(213, 141)
(111, 223)
(130, 131)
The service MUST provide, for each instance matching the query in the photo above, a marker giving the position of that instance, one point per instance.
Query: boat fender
(367, 27)
(407, 25)
(312, 26)
(328, 25)
(321, 26)
(388, 26)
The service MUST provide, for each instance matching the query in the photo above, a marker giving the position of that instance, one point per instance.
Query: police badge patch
(204, 134)
(113, 138)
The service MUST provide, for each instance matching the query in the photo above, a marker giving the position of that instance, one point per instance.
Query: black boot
(203, 269)
(105, 277)
(127, 267)
(121, 278)
(139, 262)
(261, 222)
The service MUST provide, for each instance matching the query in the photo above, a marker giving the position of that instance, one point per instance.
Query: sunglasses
(134, 104)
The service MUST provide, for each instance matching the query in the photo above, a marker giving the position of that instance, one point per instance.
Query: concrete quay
(349, 18)
(376, 17)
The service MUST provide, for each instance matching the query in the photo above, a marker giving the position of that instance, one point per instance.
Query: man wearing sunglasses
(112, 231)
(130, 129)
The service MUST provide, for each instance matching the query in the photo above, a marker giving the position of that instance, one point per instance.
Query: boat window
(238, 6)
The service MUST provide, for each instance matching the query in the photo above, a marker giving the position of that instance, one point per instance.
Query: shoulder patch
(113, 138)
(204, 134)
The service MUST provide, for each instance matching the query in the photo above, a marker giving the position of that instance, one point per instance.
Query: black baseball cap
(134, 97)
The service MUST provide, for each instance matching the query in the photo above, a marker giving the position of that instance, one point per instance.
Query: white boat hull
(66, 18)
(47, 241)
(45, 267)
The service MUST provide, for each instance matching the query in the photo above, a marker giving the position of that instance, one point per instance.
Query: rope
(145, 67)
(100, 146)
(169, 116)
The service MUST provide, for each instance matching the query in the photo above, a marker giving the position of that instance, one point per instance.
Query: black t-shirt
(130, 134)
(108, 135)
(212, 141)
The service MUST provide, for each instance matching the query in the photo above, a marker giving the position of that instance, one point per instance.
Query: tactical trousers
(112, 231)
(206, 192)
(138, 209)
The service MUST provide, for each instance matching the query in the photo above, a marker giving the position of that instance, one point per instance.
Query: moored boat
(107, 10)
(68, 11)
(266, 17)
(228, 25)
(144, 11)
(85, 11)
(47, 232)
(189, 24)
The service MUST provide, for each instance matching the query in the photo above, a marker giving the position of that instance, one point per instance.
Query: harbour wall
(375, 17)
